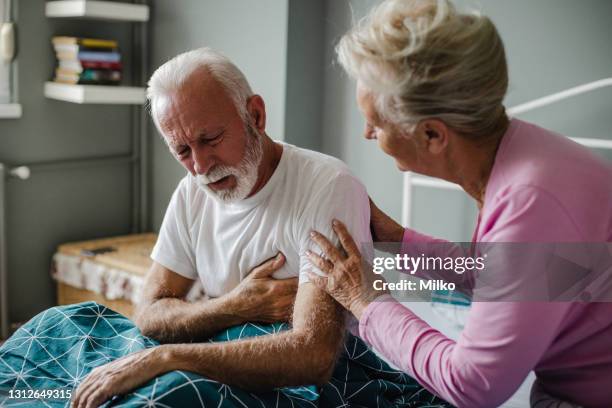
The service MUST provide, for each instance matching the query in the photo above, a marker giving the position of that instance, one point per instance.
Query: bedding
(42, 363)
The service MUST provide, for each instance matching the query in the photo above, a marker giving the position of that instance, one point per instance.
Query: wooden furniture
(67, 295)
(111, 278)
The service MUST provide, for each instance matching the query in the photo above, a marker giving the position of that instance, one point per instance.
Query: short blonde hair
(422, 59)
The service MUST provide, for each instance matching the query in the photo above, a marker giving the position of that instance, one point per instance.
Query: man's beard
(245, 172)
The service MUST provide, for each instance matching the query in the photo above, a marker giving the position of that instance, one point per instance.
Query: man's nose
(202, 160)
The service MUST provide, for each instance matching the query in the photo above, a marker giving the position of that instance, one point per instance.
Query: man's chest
(227, 248)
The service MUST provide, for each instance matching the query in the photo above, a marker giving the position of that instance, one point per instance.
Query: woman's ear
(435, 135)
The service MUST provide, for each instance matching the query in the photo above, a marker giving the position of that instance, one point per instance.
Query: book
(79, 66)
(85, 42)
(101, 56)
(89, 61)
(88, 76)
(75, 48)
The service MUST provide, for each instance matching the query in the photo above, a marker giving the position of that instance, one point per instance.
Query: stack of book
(87, 61)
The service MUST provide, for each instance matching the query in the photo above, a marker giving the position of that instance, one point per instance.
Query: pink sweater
(543, 188)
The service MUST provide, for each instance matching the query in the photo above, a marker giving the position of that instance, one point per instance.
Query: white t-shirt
(221, 243)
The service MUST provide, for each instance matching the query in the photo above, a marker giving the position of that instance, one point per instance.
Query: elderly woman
(430, 84)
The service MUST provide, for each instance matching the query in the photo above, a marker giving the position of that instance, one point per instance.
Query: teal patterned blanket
(43, 362)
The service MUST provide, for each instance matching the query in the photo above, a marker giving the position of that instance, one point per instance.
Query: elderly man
(245, 199)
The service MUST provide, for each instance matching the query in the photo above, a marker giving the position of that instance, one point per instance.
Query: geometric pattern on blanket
(58, 348)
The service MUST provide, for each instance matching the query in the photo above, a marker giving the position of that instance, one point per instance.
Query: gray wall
(551, 45)
(305, 69)
(53, 207)
(252, 34)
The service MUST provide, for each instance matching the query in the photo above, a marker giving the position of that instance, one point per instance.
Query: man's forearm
(172, 320)
(285, 359)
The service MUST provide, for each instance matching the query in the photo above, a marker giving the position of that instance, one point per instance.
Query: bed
(56, 350)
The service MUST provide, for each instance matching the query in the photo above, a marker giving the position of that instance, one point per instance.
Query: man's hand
(164, 315)
(261, 298)
(118, 377)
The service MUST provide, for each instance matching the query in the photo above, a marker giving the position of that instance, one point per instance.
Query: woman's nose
(369, 132)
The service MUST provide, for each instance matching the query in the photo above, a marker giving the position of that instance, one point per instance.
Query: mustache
(220, 171)
(216, 174)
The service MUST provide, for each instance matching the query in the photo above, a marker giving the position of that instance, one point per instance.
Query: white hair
(422, 59)
(172, 75)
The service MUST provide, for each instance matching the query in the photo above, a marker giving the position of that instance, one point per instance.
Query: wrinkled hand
(383, 227)
(118, 377)
(261, 298)
(347, 276)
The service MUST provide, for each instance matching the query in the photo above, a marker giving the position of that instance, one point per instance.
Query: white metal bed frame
(411, 179)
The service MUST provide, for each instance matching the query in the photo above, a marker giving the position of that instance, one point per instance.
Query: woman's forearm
(383, 227)
(502, 342)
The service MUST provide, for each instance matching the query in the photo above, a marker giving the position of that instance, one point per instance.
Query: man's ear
(257, 111)
(435, 135)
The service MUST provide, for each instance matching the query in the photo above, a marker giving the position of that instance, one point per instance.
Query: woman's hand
(119, 377)
(383, 227)
(345, 278)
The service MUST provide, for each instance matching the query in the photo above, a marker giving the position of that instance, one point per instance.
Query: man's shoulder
(322, 188)
(315, 166)
(318, 179)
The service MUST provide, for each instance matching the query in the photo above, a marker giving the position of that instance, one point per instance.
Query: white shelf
(10, 110)
(100, 94)
(103, 10)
